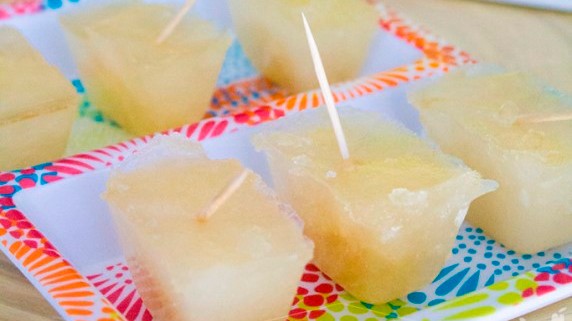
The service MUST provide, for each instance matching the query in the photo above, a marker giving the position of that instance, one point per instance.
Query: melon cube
(244, 263)
(37, 105)
(273, 37)
(385, 220)
(144, 86)
(472, 114)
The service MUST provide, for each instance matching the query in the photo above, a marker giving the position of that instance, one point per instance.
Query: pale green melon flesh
(383, 222)
(244, 263)
(37, 105)
(143, 86)
(472, 114)
(272, 35)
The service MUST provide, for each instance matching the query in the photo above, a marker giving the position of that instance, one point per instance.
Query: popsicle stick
(222, 197)
(326, 91)
(543, 118)
(172, 25)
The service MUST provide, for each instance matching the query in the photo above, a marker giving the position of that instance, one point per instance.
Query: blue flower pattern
(478, 261)
(236, 66)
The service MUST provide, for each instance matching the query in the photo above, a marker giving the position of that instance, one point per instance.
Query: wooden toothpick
(172, 25)
(327, 92)
(222, 197)
(543, 118)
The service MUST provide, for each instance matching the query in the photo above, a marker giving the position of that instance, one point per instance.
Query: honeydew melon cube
(244, 263)
(473, 114)
(273, 37)
(144, 86)
(37, 105)
(385, 220)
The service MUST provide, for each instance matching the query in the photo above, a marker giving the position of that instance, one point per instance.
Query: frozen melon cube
(473, 114)
(243, 263)
(272, 35)
(37, 105)
(144, 86)
(385, 220)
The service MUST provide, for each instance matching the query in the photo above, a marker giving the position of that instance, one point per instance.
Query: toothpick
(543, 118)
(174, 22)
(222, 197)
(327, 92)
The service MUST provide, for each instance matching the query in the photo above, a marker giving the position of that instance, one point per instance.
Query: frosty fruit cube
(272, 35)
(385, 220)
(473, 115)
(243, 263)
(144, 86)
(37, 105)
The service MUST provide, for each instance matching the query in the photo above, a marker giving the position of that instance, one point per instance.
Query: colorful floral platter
(55, 228)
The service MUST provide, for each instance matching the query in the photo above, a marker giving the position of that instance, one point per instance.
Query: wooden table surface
(536, 41)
